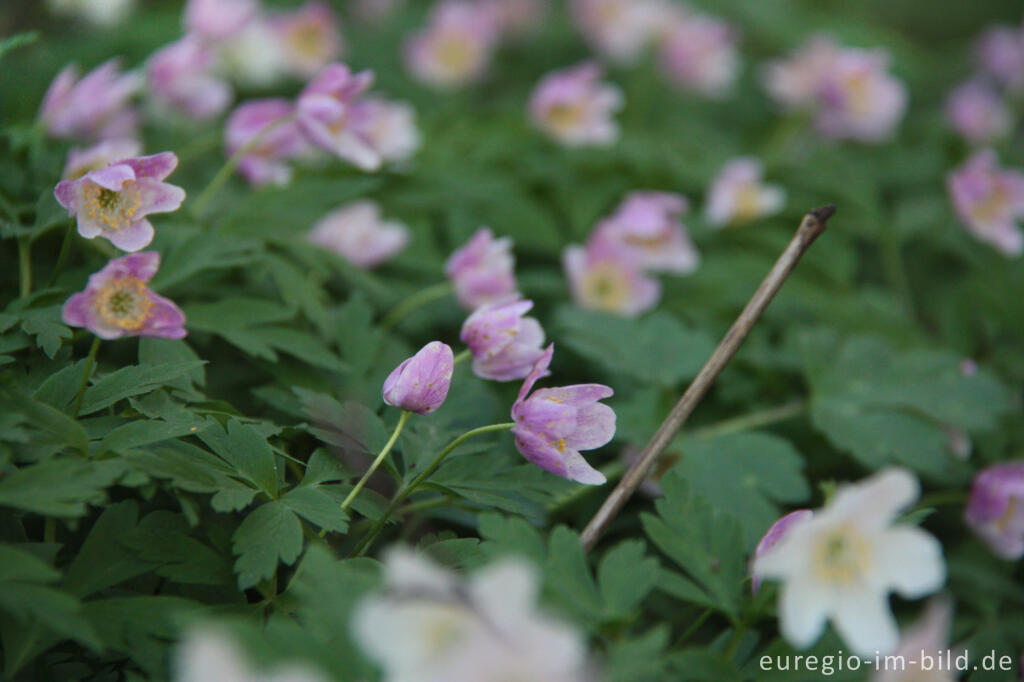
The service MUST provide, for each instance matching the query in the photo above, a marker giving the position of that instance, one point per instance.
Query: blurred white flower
(738, 194)
(357, 233)
(209, 655)
(101, 12)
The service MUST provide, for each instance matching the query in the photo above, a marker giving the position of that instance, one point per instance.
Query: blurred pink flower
(82, 161)
(989, 201)
(357, 233)
(738, 195)
(929, 635)
(376, 11)
(774, 536)
(118, 303)
(114, 201)
(324, 113)
(388, 127)
(482, 270)
(505, 344)
(700, 53)
(181, 79)
(456, 45)
(575, 108)
(621, 29)
(420, 384)
(601, 277)
(214, 20)
(1000, 51)
(977, 112)
(95, 107)
(518, 18)
(995, 510)
(646, 230)
(554, 424)
(795, 81)
(267, 163)
(309, 37)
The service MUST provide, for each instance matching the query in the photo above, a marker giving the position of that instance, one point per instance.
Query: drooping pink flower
(774, 535)
(95, 107)
(388, 127)
(1000, 51)
(482, 270)
(554, 424)
(621, 29)
(738, 194)
(324, 112)
(420, 384)
(505, 344)
(989, 200)
(114, 201)
(82, 161)
(308, 37)
(699, 53)
(601, 277)
(646, 230)
(215, 20)
(995, 509)
(357, 233)
(575, 108)
(860, 100)
(456, 46)
(977, 112)
(118, 303)
(267, 163)
(181, 79)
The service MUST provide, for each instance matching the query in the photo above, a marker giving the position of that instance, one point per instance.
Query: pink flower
(388, 127)
(267, 163)
(601, 277)
(118, 303)
(482, 270)
(308, 37)
(928, 636)
(699, 53)
(181, 79)
(456, 46)
(646, 230)
(620, 29)
(795, 82)
(995, 510)
(575, 108)
(1000, 51)
(115, 200)
(989, 201)
(324, 112)
(357, 233)
(420, 384)
(505, 345)
(517, 18)
(215, 20)
(95, 107)
(977, 112)
(774, 535)
(738, 194)
(860, 101)
(82, 161)
(554, 424)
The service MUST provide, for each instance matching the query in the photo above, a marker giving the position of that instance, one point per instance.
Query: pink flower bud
(989, 201)
(482, 270)
(95, 107)
(420, 384)
(118, 303)
(505, 345)
(357, 233)
(573, 107)
(773, 537)
(181, 79)
(995, 510)
(554, 424)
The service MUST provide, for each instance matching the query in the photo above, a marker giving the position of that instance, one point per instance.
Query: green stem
(62, 257)
(462, 356)
(89, 364)
(377, 462)
(941, 499)
(694, 626)
(25, 265)
(895, 269)
(751, 420)
(231, 164)
(409, 489)
(50, 530)
(421, 298)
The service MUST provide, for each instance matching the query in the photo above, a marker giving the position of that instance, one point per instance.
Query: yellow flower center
(992, 207)
(1003, 521)
(307, 40)
(123, 303)
(842, 556)
(747, 205)
(564, 117)
(605, 287)
(113, 210)
(454, 54)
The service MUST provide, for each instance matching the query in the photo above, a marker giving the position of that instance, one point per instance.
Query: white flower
(842, 563)
(430, 626)
(738, 194)
(208, 655)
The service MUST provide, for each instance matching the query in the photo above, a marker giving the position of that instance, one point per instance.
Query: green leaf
(658, 349)
(246, 451)
(60, 486)
(194, 470)
(60, 426)
(270, 534)
(639, 659)
(133, 380)
(625, 576)
(17, 40)
(568, 574)
(45, 324)
(317, 506)
(102, 561)
(162, 539)
(203, 251)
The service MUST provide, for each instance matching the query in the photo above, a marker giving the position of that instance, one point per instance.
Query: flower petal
(156, 166)
(803, 610)
(865, 622)
(910, 561)
(595, 426)
(136, 236)
(158, 197)
(579, 470)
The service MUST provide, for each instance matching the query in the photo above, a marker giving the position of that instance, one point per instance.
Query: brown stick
(811, 227)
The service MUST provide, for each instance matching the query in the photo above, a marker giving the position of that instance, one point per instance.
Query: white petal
(909, 561)
(505, 592)
(803, 609)
(865, 622)
(876, 501)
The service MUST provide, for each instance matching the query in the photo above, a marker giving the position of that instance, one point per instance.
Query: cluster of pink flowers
(977, 108)
(848, 90)
(458, 43)
(644, 234)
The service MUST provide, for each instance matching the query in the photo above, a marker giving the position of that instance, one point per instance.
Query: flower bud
(420, 384)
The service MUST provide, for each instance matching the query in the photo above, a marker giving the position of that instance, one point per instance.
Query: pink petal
(136, 236)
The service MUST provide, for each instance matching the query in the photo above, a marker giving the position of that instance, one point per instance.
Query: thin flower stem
(811, 227)
(62, 257)
(89, 364)
(462, 356)
(409, 489)
(231, 164)
(377, 462)
(421, 298)
(25, 265)
(694, 626)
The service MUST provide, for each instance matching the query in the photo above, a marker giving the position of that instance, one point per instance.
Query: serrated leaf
(625, 576)
(131, 381)
(568, 574)
(162, 539)
(246, 451)
(46, 326)
(317, 506)
(60, 486)
(102, 561)
(269, 535)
